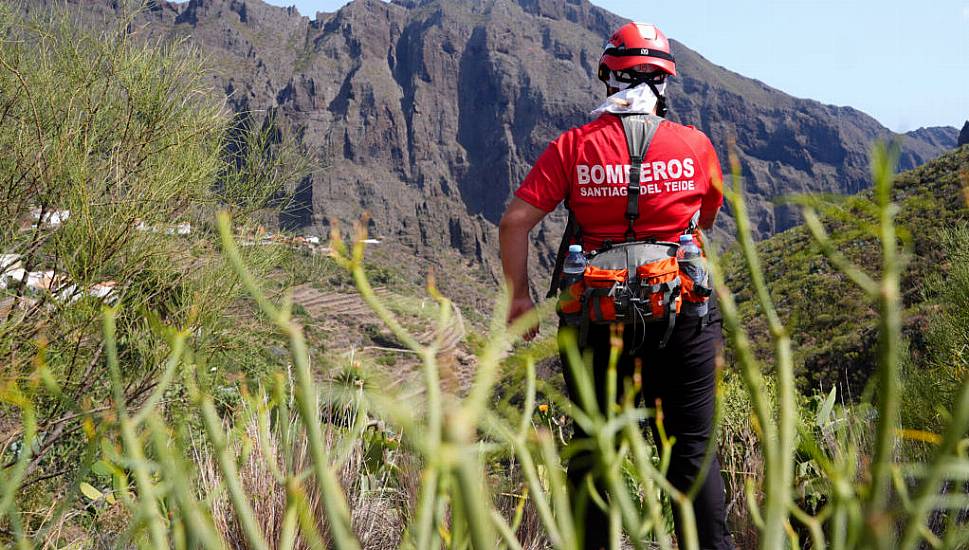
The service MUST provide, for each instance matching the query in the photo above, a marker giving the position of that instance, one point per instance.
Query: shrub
(114, 161)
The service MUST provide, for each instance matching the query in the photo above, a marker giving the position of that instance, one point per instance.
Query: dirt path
(456, 364)
(6, 304)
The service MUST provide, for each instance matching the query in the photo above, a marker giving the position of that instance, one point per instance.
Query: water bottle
(570, 300)
(693, 265)
(574, 266)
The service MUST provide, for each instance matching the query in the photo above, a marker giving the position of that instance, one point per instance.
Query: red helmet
(636, 44)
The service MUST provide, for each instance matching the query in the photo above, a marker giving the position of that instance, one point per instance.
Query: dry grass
(742, 461)
(379, 501)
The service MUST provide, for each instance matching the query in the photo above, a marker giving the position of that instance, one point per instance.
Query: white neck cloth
(636, 100)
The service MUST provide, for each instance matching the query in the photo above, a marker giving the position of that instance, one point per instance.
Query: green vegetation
(196, 404)
(831, 323)
(934, 375)
(114, 160)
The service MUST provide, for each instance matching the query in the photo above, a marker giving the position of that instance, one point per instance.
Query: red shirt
(589, 166)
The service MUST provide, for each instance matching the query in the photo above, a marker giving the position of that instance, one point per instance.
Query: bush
(114, 161)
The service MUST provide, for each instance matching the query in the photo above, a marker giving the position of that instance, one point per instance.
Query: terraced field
(345, 315)
(8, 303)
(319, 304)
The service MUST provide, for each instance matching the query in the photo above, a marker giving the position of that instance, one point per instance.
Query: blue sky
(904, 62)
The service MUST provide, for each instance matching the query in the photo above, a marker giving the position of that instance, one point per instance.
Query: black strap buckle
(632, 207)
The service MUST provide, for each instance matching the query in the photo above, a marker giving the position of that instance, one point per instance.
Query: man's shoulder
(604, 127)
(603, 123)
(687, 132)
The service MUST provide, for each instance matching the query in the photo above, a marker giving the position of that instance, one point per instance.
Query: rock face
(428, 113)
(964, 135)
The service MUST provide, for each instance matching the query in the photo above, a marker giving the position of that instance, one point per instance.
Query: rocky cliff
(427, 113)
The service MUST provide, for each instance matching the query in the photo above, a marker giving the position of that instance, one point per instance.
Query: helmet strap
(661, 107)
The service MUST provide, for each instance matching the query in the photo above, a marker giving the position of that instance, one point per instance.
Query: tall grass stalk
(149, 511)
(777, 423)
(306, 398)
(878, 522)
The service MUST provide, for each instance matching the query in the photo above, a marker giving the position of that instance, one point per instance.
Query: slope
(831, 323)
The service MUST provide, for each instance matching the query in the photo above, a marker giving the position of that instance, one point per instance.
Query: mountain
(428, 113)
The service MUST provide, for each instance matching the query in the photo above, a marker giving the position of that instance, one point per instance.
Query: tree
(964, 134)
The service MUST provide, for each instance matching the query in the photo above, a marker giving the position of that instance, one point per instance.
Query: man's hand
(519, 307)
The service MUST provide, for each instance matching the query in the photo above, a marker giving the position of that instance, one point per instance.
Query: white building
(52, 218)
(106, 291)
(11, 277)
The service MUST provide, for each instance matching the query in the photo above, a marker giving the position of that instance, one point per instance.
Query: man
(680, 182)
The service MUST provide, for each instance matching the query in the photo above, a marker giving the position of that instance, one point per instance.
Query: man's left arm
(713, 197)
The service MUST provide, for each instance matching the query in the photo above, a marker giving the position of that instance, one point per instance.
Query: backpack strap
(640, 130)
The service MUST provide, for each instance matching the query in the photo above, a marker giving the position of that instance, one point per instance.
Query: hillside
(428, 113)
(832, 325)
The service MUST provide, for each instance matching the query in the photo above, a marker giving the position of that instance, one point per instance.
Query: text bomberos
(656, 177)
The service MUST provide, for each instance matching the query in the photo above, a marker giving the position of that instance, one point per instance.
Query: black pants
(682, 376)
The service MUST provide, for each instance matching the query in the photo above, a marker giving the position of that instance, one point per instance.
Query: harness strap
(669, 297)
(598, 305)
(694, 223)
(640, 130)
(584, 325)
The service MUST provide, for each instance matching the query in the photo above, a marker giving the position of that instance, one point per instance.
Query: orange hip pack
(630, 283)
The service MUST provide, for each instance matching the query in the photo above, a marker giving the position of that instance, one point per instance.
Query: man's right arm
(542, 190)
(519, 219)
